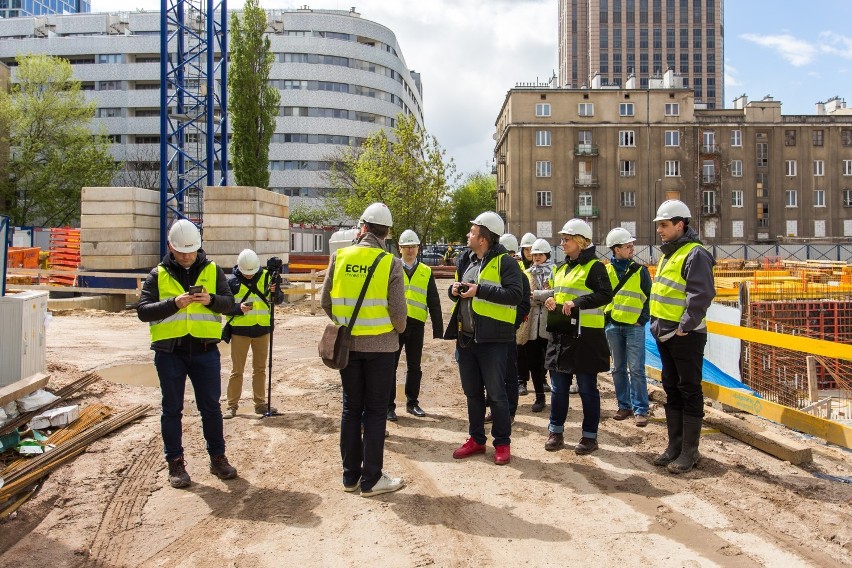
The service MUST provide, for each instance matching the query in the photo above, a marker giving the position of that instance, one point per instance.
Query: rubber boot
(674, 424)
(689, 455)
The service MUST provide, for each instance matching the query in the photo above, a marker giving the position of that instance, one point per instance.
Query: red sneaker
(468, 449)
(502, 455)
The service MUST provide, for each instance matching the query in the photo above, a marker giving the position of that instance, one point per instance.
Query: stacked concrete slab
(119, 228)
(237, 218)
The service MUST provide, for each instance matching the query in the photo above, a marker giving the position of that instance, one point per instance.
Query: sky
(471, 52)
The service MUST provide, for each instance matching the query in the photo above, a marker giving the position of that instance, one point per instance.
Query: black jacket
(259, 279)
(509, 293)
(152, 309)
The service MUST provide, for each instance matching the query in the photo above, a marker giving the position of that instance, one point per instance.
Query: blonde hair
(581, 241)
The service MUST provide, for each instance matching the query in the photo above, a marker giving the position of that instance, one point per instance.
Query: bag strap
(364, 289)
(631, 270)
(251, 288)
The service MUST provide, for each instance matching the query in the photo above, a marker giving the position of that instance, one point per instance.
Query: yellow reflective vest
(350, 273)
(490, 274)
(195, 320)
(668, 292)
(627, 304)
(415, 291)
(259, 313)
(568, 285)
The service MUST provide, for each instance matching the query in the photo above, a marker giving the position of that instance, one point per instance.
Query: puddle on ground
(138, 374)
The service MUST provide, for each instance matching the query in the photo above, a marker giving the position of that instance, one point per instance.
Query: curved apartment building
(340, 76)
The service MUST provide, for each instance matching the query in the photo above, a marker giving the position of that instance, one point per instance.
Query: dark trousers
(366, 384)
(483, 367)
(523, 365)
(535, 350)
(683, 360)
(512, 378)
(203, 367)
(412, 341)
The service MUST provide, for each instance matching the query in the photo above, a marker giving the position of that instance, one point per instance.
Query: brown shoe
(641, 420)
(586, 446)
(623, 414)
(178, 477)
(220, 467)
(554, 442)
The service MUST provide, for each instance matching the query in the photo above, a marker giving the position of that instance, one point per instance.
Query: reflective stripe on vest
(500, 312)
(195, 320)
(668, 292)
(350, 272)
(415, 292)
(259, 313)
(626, 306)
(570, 284)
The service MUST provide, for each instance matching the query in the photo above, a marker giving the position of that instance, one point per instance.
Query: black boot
(689, 453)
(539, 403)
(674, 424)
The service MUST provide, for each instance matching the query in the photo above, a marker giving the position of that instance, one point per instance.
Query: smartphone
(196, 289)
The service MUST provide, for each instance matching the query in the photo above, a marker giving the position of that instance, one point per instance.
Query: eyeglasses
(565, 240)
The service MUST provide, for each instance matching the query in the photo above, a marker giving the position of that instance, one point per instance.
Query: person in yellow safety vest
(368, 377)
(181, 301)
(626, 317)
(580, 282)
(681, 294)
(421, 296)
(487, 291)
(250, 328)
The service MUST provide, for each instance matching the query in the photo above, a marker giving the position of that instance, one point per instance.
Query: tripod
(274, 287)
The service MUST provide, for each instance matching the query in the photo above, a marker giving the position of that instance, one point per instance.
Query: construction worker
(681, 294)
(422, 300)
(626, 317)
(487, 291)
(250, 328)
(580, 282)
(181, 300)
(369, 376)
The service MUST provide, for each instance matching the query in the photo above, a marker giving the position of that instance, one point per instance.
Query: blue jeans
(589, 397)
(627, 345)
(204, 370)
(366, 383)
(483, 367)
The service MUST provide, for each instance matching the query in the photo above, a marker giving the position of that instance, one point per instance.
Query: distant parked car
(432, 259)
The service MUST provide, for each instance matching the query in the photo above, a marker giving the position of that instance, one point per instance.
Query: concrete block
(107, 248)
(235, 247)
(237, 207)
(119, 234)
(121, 221)
(228, 261)
(111, 262)
(119, 207)
(120, 193)
(243, 193)
(245, 233)
(243, 220)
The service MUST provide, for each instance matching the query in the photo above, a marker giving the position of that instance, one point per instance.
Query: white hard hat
(408, 237)
(672, 208)
(527, 240)
(491, 221)
(577, 227)
(618, 236)
(184, 236)
(541, 246)
(248, 263)
(510, 242)
(378, 214)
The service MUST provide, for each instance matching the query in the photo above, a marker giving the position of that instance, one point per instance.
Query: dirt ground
(112, 506)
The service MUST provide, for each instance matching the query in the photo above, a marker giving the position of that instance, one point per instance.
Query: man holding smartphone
(181, 300)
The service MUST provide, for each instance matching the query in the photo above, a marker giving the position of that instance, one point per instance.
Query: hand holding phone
(196, 289)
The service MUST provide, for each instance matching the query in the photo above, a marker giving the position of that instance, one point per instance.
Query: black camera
(463, 287)
(274, 264)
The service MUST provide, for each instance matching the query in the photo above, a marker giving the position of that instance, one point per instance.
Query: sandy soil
(112, 507)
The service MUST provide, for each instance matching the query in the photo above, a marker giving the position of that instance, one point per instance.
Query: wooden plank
(22, 388)
(813, 385)
(774, 444)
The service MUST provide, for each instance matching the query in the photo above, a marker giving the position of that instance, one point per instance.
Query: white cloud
(836, 44)
(730, 76)
(797, 52)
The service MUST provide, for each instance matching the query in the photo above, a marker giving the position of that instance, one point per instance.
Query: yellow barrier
(794, 342)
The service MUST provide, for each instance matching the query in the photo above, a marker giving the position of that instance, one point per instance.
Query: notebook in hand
(557, 322)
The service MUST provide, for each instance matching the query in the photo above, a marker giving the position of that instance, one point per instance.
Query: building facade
(18, 8)
(341, 77)
(611, 156)
(613, 39)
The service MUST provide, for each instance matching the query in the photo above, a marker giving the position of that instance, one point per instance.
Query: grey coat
(539, 277)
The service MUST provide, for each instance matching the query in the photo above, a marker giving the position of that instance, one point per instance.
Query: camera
(274, 266)
(463, 287)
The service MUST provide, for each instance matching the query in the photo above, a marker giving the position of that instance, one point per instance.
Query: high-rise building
(606, 41)
(18, 8)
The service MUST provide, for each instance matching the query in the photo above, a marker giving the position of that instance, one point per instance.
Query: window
(672, 109)
(819, 168)
(627, 168)
(584, 136)
(762, 149)
(847, 167)
(846, 137)
(847, 197)
(109, 58)
(672, 168)
(625, 109)
(106, 112)
(736, 138)
(542, 137)
(817, 138)
(789, 137)
(628, 199)
(114, 138)
(819, 198)
(791, 198)
(708, 201)
(317, 243)
(672, 138)
(626, 138)
(708, 171)
(584, 200)
(542, 169)
(543, 199)
(708, 138)
(109, 85)
(586, 109)
(737, 198)
(790, 168)
(542, 109)
(736, 168)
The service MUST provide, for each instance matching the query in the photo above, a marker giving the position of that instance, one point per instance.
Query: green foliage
(478, 193)
(410, 175)
(253, 103)
(45, 122)
(303, 214)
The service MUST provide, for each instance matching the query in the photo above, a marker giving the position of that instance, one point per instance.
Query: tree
(141, 167)
(45, 122)
(409, 174)
(253, 103)
(477, 194)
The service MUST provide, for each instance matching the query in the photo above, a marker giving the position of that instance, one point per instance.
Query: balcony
(501, 188)
(501, 159)
(764, 222)
(709, 209)
(586, 181)
(494, 170)
(709, 149)
(585, 150)
(712, 179)
(586, 211)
